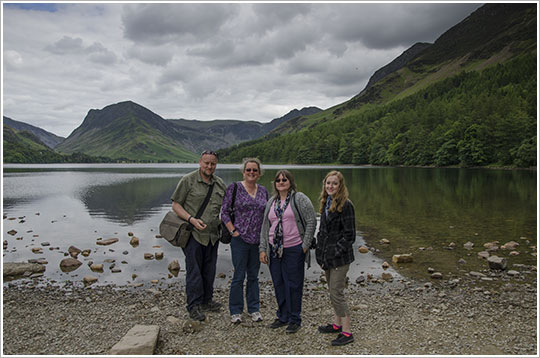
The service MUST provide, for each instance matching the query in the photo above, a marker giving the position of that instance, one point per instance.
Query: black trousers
(200, 272)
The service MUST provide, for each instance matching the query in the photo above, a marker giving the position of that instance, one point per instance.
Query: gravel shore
(406, 318)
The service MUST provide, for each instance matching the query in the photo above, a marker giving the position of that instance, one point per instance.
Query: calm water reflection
(414, 208)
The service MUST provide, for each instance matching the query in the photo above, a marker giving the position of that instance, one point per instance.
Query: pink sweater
(291, 236)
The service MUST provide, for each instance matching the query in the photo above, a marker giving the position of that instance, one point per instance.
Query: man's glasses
(284, 180)
(254, 170)
(209, 152)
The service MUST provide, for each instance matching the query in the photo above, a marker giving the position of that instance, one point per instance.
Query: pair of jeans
(288, 277)
(245, 259)
(200, 272)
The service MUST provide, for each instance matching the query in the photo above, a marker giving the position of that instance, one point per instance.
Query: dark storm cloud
(388, 25)
(163, 23)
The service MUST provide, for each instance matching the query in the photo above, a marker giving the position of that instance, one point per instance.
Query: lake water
(420, 211)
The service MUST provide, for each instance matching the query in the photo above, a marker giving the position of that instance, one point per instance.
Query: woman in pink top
(286, 235)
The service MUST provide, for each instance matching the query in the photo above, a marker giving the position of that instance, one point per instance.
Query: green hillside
(128, 131)
(471, 119)
(25, 147)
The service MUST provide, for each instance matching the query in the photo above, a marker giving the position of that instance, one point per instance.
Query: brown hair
(257, 161)
(287, 174)
(341, 196)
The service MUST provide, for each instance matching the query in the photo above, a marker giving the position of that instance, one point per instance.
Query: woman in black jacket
(334, 252)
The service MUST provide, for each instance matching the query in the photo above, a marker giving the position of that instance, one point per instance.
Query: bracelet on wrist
(233, 231)
(189, 219)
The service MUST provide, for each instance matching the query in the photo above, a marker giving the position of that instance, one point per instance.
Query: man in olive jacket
(202, 246)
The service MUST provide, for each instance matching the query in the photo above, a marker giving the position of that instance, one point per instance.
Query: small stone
(133, 276)
(468, 245)
(483, 254)
(476, 274)
(148, 256)
(12, 232)
(192, 326)
(403, 258)
(107, 242)
(387, 276)
(89, 279)
(385, 265)
(363, 250)
(173, 320)
(134, 241)
(497, 263)
(431, 269)
(37, 250)
(511, 245)
(462, 262)
(130, 233)
(491, 246)
(70, 262)
(96, 267)
(74, 251)
(86, 252)
(154, 281)
(159, 255)
(437, 276)
(174, 266)
(384, 241)
(514, 253)
(221, 275)
(513, 273)
(45, 243)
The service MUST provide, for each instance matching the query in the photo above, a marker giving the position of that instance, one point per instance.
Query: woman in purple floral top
(249, 207)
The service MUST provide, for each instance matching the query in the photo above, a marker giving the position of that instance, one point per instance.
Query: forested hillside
(471, 119)
(25, 147)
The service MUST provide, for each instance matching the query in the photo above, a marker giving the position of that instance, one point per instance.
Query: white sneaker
(236, 318)
(256, 316)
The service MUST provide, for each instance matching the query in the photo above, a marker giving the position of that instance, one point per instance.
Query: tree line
(475, 118)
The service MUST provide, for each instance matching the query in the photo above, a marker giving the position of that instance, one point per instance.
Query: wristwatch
(233, 231)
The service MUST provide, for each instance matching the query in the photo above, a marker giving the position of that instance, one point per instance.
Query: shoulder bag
(175, 229)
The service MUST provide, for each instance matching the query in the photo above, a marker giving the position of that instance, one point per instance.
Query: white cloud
(248, 61)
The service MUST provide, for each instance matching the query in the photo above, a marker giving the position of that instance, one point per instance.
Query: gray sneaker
(256, 317)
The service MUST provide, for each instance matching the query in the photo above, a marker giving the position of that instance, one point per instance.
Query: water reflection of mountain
(131, 201)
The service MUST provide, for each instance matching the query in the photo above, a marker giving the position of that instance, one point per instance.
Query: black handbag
(226, 236)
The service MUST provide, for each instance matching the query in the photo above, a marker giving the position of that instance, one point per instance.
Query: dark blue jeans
(288, 278)
(245, 259)
(200, 272)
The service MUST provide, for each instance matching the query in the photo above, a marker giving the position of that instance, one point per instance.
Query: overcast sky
(247, 61)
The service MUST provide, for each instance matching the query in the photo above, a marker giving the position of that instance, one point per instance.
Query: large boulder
(19, 268)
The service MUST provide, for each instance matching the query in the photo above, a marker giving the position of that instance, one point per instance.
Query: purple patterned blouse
(248, 212)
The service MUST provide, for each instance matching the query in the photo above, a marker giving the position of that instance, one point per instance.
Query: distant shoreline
(266, 165)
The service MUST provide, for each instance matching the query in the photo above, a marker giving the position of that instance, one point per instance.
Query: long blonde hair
(341, 196)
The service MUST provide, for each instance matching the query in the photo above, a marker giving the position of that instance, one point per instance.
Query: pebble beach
(458, 317)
